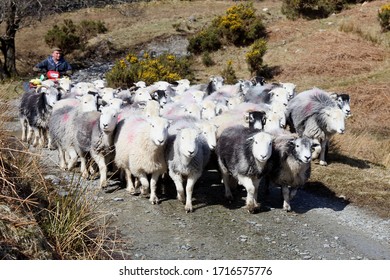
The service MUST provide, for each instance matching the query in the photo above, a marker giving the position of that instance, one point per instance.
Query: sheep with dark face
(343, 101)
(316, 115)
(289, 165)
(242, 155)
(187, 153)
(34, 113)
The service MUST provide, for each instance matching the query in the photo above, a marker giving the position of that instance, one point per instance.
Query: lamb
(187, 154)
(315, 114)
(242, 155)
(289, 165)
(34, 113)
(139, 151)
(95, 136)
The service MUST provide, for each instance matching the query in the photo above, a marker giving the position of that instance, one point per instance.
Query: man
(55, 62)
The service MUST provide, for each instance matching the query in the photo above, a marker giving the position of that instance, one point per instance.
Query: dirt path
(319, 228)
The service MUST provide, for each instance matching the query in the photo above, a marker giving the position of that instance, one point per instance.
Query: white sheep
(139, 151)
(187, 154)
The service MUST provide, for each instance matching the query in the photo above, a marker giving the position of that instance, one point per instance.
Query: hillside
(345, 52)
(342, 213)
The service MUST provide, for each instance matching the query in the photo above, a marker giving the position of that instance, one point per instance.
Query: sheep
(62, 127)
(139, 151)
(315, 114)
(241, 115)
(95, 136)
(242, 154)
(260, 94)
(215, 83)
(34, 113)
(343, 101)
(187, 154)
(207, 129)
(289, 165)
(160, 96)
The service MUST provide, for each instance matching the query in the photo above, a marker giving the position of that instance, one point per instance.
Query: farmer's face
(56, 55)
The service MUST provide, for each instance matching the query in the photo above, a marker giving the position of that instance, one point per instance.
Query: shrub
(384, 17)
(70, 37)
(166, 67)
(254, 56)
(206, 40)
(311, 8)
(239, 26)
(229, 74)
(207, 60)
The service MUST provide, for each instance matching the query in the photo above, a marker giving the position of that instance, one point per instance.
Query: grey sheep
(289, 165)
(242, 154)
(316, 115)
(34, 113)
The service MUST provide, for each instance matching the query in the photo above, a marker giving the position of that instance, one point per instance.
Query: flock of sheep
(250, 131)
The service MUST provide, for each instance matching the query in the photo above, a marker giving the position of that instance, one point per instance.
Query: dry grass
(35, 223)
(345, 52)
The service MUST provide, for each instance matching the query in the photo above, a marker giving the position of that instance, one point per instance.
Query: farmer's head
(57, 52)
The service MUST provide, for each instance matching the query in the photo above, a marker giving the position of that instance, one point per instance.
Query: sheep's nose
(307, 158)
(212, 147)
(105, 125)
(191, 152)
(342, 131)
(161, 142)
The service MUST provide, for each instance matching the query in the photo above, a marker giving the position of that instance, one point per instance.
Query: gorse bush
(70, 37)
(229, 74)
(207, 60)
(131, 69)
(254, 57)
(311, 8)
(239, 26)
(384, 17)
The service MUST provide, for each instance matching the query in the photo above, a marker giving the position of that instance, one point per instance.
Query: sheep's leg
(36, 136)
(41, 137)
(251, 187)
(29, 133)
(83, 166)
(61, 155)
(153, 188)
(129, 182)
(178, 180)
(189, 189)
(23, 122)
(100, 161)
(288, 194)
(72, 154)
(227, 181)
(324, 143)
(145, 184)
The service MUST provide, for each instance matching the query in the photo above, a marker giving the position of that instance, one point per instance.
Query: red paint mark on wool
(134, 127)
(308, 108)
(65, 117)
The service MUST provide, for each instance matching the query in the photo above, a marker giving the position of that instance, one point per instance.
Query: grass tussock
(35, 222)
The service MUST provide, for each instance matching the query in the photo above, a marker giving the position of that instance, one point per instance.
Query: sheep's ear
(333, 95)
(246, 117)
(250, 139)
